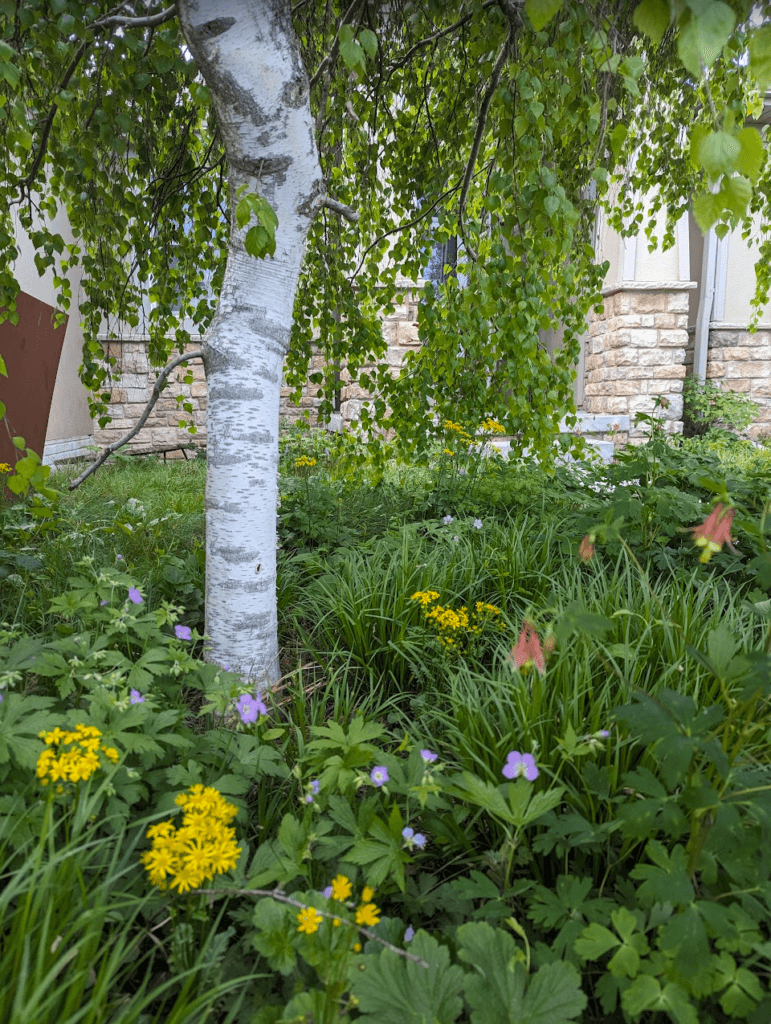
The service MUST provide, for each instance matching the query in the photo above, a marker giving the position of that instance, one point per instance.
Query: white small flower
(477, 524)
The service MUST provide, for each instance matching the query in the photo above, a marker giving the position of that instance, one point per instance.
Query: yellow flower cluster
(204, 845)
(451, 624)
(72, 755)
(304, 461)
(366, 913)
(492, 427)
(4, 467)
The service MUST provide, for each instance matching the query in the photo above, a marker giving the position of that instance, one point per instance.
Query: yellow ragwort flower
(203, 845)
(366, 894)
(309, 919)
(424, 596)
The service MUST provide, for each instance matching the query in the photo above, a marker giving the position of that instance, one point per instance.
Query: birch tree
(306, 157)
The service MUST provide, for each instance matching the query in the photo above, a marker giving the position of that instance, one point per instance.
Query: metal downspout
(706, 302)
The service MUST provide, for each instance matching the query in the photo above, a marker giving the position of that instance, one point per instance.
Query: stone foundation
(132, 385)
(400, 332)
(741, 361)
(636, 352)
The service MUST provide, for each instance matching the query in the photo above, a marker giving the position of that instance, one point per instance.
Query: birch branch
(274, 894)
(158, 387)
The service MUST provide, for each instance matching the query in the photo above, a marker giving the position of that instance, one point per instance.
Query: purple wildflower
(119, 558)
(409, 934)
(135, 697)
(419, 840)
(428, 756)
(183, 632)
(102, 604)
(379, 775)
(447, 520)
(477, 524)
(520, 764)
(135, 596)
(408, 833)
(604, 733)
(327, 893)
(315, 786)
(250, 708)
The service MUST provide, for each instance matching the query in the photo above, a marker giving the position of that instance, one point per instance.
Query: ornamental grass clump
(455, 628)
(204, 845)
(72, 756)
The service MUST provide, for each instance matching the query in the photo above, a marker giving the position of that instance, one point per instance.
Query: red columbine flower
(714, 532)
(527, 650)
(586, 548)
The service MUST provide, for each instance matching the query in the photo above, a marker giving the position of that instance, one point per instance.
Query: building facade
(665, 315)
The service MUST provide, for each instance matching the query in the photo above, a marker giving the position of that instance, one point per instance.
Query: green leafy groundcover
(562, 815)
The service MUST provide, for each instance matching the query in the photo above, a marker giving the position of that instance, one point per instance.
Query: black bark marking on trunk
(210, 29)
(234, 393)
(258, 622)
(257, 587)
(233, 508)
(273, 167)
(235, 555)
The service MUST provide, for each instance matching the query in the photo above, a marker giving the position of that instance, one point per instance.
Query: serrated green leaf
(353, 55)
(501, 992)
(368, 40)
(759, 47)
(751, 154)
(718, 153)
(541, 12)
(595, 941)
(274, 934)
(703, 36)
(392, 990)
(643, 994)
(707, 209)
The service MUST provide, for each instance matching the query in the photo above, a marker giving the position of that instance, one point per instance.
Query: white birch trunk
(250, 60)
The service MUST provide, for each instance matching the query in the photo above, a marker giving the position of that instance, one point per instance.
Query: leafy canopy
(481, 120)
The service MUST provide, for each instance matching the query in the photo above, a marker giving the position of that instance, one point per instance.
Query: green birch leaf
(703, 36)
(541, 12)
(750, 158)
(759, 46)
(651, 17)
(368, 40)
(707, 209)
(718, 153)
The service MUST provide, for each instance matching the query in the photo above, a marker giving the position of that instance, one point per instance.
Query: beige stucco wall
(740, 281)
(657, 265)
(69, 415)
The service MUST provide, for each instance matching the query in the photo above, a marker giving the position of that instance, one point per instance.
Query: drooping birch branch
(156, 394)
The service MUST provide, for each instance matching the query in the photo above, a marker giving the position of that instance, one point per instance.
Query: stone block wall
(741, 361)
(636, 352)
(400, 332)
(132, 385)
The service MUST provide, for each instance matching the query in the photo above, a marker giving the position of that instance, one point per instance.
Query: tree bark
(249, 57)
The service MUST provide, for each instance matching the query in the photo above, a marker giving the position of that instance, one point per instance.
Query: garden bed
(517, 767)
